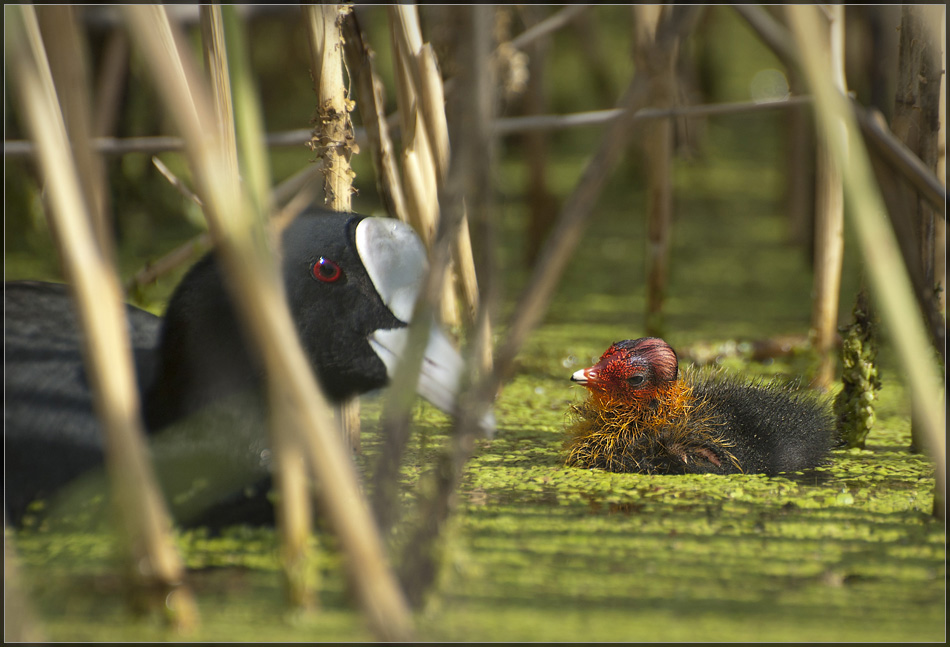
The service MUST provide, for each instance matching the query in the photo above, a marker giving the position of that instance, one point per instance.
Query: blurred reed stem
(419, 566)
(425, 143)
(153, 565)
(887, 274)
(66, 49)
(239, 126)
(371, 103)
(829, 216)
(658, 63)
(20, 623)
(259, 296)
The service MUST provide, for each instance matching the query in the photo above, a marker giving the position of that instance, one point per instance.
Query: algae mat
(540, 552)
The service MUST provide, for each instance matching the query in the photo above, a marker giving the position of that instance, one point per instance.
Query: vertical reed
(658, 63)
(333, 138)
(888, 277)
(66, 50)
(259, 295)
(829, 218)
(371, 101)
(916, 123)
(420, 561)
(145, 528)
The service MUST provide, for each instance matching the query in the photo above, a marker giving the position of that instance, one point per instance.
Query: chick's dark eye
(325, 270)
(636, 380)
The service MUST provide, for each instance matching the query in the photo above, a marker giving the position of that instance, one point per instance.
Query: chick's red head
(634, 369)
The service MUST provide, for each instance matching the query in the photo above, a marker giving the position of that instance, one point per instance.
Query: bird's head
(632, 370)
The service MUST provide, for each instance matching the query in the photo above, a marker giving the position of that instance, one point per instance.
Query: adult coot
(351, 284)
(641, 417)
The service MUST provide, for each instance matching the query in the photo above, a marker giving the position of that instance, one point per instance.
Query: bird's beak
(395, 260)
(440, 374)
(589, 377)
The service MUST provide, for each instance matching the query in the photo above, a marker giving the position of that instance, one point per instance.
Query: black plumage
(350, 283)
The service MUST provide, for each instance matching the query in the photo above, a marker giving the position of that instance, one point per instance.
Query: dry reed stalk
(111, 82)
(333, 139)
(471, 113)
(916, 123)
(369, 89)
(888, 277)
(216, 62)
(293, 510)
(596, 61)
(421, 175)
(422, 180)
(425, 145)
(472, 172)
(418, 164)
(259, 295)
(66, 50)
(829, 218)
(419, 564)
(20, 623)
(658, 63)
(145, 528)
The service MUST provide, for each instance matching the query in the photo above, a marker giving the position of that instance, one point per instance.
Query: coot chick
(640, 416)
(351, 285)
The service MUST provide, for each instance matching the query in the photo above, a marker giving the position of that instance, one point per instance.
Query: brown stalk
(369, 88)
(424, 142)
(333, 138)
(153, 563)
(887, 274)
(916, 123)
(259, 295)
(421, 556)
(293, 510)
(542, 205)
(66, 52)
(829, 218)
(658, 64)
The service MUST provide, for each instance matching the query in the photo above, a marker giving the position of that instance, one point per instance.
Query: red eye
(323, 269)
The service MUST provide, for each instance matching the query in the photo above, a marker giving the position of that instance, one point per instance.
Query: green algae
(541, 552)
(538, 551)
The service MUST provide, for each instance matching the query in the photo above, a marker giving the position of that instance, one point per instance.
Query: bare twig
(548, 25)
(176, 181)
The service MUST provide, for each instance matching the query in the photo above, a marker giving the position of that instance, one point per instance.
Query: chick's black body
(771, 427)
